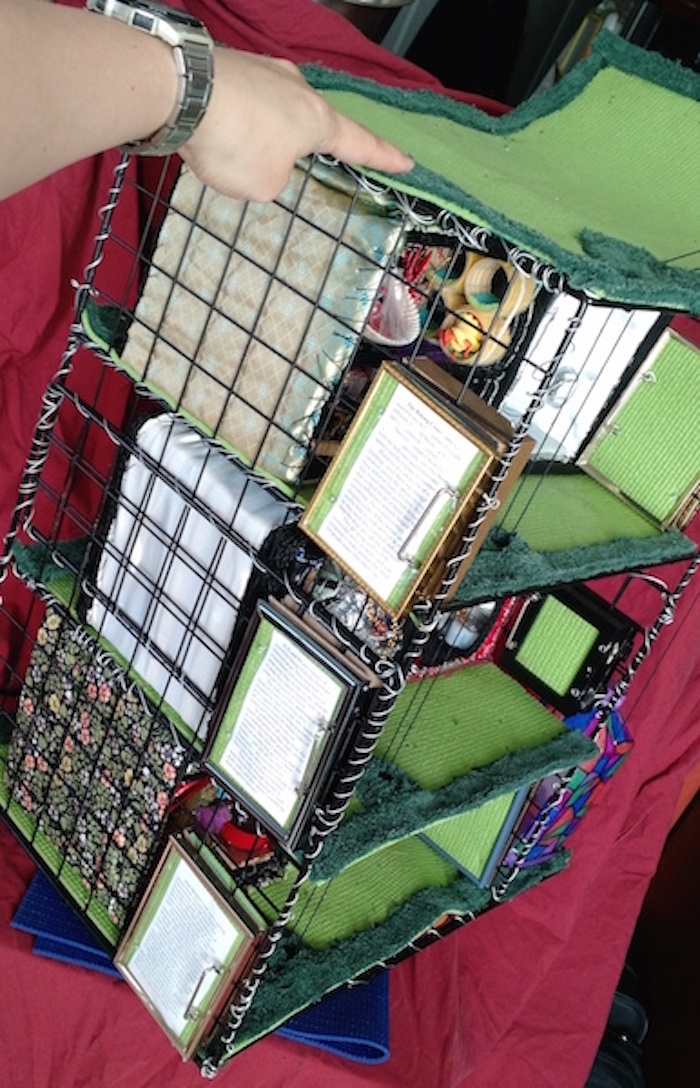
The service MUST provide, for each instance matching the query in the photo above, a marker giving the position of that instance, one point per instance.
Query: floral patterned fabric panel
(91, 763)
(251, 312)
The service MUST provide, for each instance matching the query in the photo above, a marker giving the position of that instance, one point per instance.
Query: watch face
(183, 18)
(193, 47)
(141, 14)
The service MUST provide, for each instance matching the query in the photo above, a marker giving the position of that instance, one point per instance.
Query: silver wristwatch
(193, 53)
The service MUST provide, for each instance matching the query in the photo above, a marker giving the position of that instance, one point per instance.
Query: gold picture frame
(405, 484)
(647, 450)
(187, 948)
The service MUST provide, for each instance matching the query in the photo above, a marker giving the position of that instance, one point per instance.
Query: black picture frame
(565, 645)
(272, 746)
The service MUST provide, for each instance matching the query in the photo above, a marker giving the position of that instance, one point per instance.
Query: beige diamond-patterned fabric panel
(251, 312)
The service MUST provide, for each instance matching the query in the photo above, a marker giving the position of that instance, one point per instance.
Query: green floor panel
(298, 975)
(558, 512)
(367, 892)
(450, 744)
(555, 175)
(445, 727)
(469, 839)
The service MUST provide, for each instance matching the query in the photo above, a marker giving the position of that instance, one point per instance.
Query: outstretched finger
(353, 143)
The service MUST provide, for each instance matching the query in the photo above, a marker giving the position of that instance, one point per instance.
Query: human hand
(261, 118)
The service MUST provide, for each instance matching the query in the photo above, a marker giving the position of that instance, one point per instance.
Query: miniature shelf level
(255, 403)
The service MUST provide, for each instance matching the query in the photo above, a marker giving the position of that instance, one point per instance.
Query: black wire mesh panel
(250, 315)
(163, 493)
(91, 768)
(264, 326)
(149, 533)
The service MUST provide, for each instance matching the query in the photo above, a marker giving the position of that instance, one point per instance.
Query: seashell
(496, 343)
(453, 291)
(496, 294)
(395, 318)
(519, 294)
(473, 337)
(485, 278)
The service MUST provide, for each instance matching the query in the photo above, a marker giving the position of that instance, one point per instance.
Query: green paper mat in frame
(289, 708)
(556, 659)
(90, 771)
(648, 448)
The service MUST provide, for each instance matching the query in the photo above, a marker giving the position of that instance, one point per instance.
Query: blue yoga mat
(57, 930)
(352, 1023)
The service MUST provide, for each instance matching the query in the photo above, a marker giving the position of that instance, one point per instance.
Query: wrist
(191, 59)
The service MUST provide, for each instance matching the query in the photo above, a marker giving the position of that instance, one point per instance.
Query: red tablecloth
(519, 997)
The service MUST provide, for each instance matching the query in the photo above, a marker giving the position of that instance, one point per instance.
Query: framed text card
(187, 947)
(282, 719)
(408, 470)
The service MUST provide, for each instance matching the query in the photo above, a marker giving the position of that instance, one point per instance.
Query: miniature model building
(321, 487)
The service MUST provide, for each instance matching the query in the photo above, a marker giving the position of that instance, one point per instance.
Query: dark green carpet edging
(394, 807)
(505, 565)
(610, 266)
(298, 977)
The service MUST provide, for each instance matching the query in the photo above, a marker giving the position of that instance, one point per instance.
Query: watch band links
(192, 49)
